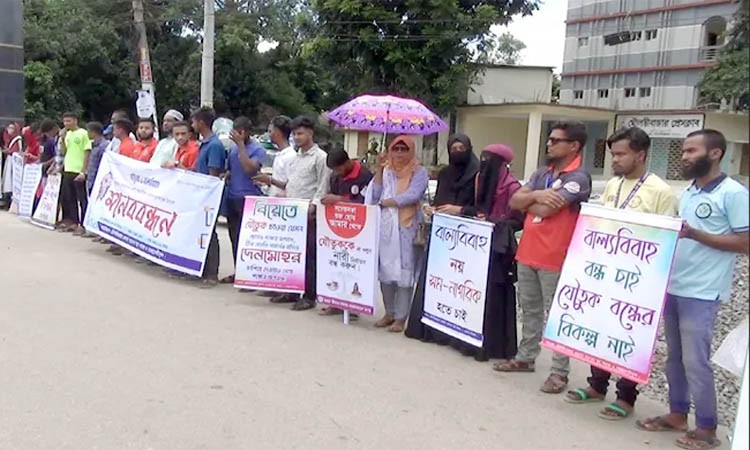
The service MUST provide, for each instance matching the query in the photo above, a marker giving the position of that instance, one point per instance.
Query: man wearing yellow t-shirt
(632, 188)
(76, 146)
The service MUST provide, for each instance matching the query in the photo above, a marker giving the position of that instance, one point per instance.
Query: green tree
(418, 48)
(504, 49)
(729, 80)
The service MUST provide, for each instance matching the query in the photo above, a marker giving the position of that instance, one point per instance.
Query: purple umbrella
(387, 114)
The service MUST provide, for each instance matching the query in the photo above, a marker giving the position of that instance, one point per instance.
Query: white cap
(173, 113)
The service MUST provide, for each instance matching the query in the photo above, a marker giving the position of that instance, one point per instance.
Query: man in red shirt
(551, 200)
(187, 148)
(146, 145)
(121, 130)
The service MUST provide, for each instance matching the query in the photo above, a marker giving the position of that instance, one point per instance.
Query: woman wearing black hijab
(455, 195)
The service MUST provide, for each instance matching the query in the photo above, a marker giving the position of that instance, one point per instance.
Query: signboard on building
(663, 126)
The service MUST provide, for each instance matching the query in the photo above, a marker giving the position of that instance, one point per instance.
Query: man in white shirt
(309, 179)
(279, 130)
(167, 147)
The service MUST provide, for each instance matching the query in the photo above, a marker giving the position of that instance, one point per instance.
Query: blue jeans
(689, 329)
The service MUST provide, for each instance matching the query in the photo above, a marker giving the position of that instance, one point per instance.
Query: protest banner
(610, 297)
(272, 247)
(32, 176)
(16, 175)
(163, 215)
(457, 268)
(347, 256)
(45, 214)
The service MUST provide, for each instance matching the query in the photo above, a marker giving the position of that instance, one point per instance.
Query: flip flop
(694, 441)
(620, 412)
(658, 424)
(583, 397)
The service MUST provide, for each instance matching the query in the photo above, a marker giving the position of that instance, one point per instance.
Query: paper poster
(32, 176)
(163, 215)
(347, 256)
(610, 296)
(272, 247)
(456, 283)
(45, 214)
(16, 174)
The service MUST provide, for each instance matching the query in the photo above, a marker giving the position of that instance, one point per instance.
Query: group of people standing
(522, 273)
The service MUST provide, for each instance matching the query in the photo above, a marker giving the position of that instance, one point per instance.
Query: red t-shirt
(188, 154)
(127, 148)
(544, 242)
(32, 146)
(144, 151)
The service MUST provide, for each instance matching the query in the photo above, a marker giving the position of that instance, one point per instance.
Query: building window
(603, 93)
(636, 35)
(651, 35)
(578, 95)
(629, 92)
(645, 92)
(583, 41)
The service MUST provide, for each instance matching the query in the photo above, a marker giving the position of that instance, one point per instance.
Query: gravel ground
(727, 385)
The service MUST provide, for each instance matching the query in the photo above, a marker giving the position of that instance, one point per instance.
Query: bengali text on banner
(609, 300)
(45, 214)
(271, 252)
(32, 176)
(456, 282)
(347, 256)
(165, 216)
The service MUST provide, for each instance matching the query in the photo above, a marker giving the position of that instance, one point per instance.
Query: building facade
(11, 61)
(644, 59)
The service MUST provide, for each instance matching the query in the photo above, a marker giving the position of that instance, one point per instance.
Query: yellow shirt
(654, 196)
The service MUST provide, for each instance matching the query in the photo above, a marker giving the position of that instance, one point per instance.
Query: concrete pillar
(533, 140)
(351, 141)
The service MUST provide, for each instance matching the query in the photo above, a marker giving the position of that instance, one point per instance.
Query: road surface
(99, 352)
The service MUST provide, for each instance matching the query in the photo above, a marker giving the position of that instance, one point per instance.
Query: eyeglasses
(555, 141)
(400, 149)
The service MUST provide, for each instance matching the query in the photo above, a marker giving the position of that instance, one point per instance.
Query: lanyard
(632, 192)
(548, 182)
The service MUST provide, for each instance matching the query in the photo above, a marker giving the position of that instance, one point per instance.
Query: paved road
(98, 352)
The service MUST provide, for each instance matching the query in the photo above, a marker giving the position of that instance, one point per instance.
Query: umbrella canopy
(387, 114)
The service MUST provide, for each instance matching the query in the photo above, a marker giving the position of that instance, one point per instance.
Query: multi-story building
(644, 59)
(11, 61)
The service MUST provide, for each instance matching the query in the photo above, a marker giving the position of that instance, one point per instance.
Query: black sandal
(303, 304)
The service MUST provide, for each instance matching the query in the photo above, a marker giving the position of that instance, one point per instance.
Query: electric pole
(207, 62)
(144, 59)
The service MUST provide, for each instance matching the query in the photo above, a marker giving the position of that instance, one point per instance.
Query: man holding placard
(715, 228)
(633, 188)
(551, 200)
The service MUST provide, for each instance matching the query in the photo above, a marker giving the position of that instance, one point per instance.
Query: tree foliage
(504, 49)
(729, 80)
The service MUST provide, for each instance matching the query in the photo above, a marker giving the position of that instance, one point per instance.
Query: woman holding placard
(398, 186)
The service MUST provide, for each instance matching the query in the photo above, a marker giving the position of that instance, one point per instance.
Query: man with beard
(636, 189)
(551, 200)
(167, 147)
(146, 145)
(714, 209)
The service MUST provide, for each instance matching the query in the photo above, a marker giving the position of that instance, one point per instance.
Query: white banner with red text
(163, 215)
(347, 256)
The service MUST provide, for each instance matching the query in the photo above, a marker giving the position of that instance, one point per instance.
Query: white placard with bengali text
(45, 214)
(32, 176)
(456, 281)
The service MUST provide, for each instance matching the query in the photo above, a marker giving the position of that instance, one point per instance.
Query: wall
(495, 130)
(11, 61)
(511, 84)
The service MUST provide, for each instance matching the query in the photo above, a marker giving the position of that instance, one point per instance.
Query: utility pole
(144, 59)
(207, 62)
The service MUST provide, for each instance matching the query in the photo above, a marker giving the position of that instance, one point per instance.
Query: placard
(45, 214)
(16, 175)
(456, 281)
(32, 176)
(272, 248)
(347, 256)
(610, 297)
(164, 215)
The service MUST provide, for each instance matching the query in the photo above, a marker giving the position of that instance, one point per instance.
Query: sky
(543, 33)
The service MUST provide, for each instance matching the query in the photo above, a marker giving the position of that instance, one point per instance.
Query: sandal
(386, 321)
(227, 280)
(208, 283)
(581, 396)
(694, 441)
(615, 411)
(397, 326)
(554, 384)
(658, 424)
(513, 365)
(303, 304)
(330, 311)
(283, 298)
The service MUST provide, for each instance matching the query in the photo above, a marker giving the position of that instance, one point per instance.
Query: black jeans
(72, 196)
(626, 389)
(235, 208)
(211, 268)
(311, 259)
